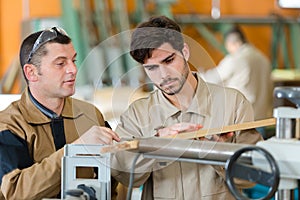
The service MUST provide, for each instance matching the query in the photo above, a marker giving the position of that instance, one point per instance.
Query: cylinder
(206, 150)
(285, 128)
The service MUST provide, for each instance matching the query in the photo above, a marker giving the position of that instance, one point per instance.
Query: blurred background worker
(247, 69)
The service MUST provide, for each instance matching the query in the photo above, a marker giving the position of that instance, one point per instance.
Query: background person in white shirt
(246, 69)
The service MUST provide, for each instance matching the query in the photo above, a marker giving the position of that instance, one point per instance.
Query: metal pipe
(196, 149)
(192, 160)
(285, 128)
(284, 195)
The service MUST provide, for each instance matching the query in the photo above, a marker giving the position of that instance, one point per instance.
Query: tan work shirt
(24, 119)
(212, 106)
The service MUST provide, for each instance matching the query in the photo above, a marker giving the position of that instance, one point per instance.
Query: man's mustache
(166, 81)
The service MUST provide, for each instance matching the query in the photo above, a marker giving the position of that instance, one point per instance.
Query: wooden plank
(134, 144)
(122, 146)
(225, 129)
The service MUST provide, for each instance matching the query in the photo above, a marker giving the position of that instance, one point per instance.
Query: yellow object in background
(286, 74)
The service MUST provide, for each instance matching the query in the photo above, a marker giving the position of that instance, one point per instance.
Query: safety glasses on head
(44, 37)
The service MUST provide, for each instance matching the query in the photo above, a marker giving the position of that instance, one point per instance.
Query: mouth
(72, 81)
(167, 83)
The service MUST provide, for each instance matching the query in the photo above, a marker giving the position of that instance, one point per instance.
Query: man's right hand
(178, 128)
(98, 135)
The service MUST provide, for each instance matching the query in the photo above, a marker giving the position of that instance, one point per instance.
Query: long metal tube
(285, 129)
(206, 150)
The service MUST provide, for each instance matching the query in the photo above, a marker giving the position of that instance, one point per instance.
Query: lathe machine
(272, 163)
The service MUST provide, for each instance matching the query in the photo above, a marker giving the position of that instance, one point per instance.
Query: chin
(170, 92)
(70, 93)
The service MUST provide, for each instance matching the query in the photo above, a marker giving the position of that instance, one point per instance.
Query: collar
(36, 113)
(199, 105)
(202, 99)
(49, 113)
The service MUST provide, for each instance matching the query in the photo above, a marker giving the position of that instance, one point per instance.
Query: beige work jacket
(24, 119)
(212, 106)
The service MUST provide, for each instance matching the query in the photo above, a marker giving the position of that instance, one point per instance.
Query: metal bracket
(76, 155)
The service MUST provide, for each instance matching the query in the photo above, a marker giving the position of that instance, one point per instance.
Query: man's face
(57, 73)
(167, 69)
(230, 46)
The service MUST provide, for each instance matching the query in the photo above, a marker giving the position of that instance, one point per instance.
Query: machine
(272, 163)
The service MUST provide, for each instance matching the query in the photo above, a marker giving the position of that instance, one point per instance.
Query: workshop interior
(110, 79)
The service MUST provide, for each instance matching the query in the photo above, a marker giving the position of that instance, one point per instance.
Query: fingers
(227, 136)
(115, 137)
(222, 137)
(186, 127)
(218, 138)
(112, 134)
(166, 131)
(178, 128)
(105, 135)
(98, 135)
(215, 138)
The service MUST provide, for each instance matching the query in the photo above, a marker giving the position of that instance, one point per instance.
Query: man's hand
(98, 135)
(219, 137)
(178, 128)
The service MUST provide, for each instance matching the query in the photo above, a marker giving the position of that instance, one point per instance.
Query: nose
(71, 68)
(164, 72)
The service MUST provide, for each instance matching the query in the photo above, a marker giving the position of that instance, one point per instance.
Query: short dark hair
(237, 32)
(152, 34)
(28, 43)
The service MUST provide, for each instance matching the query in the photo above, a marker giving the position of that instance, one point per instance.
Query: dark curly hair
(152, 34)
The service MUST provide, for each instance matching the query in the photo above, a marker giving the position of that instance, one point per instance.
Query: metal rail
(189, 149)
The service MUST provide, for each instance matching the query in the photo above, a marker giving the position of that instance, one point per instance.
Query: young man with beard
(182, 102)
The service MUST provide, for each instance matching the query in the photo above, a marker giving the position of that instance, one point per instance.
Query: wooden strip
(134, 144)
(122, 146)
(225, 129)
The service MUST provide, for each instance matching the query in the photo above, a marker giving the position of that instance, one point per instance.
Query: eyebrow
(64, 57)
(167, 58)
(164, 60)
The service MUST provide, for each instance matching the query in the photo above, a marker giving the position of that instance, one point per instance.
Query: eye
(151, 67)
(60, 63)
(170, 60)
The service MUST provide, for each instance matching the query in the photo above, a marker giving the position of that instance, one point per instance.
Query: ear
(186, 51)
(31, 72)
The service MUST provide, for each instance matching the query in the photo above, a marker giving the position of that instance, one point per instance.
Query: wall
(11, 15)
(258, 34)
(13, 12)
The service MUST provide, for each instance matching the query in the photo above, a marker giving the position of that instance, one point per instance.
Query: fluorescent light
(289, 3)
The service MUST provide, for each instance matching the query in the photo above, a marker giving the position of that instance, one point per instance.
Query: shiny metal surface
(285, 128)
(206, 150)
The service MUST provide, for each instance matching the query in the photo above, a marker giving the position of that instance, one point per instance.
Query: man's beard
(181, 82)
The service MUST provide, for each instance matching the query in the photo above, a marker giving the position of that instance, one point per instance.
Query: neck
(54, 104)
(183, 99)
